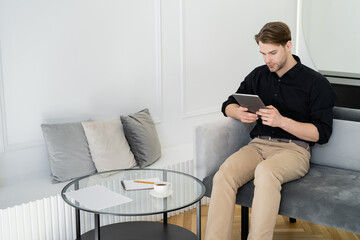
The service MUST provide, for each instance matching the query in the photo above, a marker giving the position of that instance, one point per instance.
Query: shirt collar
(293, 71)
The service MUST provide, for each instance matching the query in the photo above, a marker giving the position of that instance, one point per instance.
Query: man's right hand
(240, 113)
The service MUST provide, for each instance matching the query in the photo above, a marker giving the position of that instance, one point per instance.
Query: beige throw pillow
(108, 146)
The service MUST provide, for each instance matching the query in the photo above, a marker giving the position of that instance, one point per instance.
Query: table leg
(97, 227)
(244, 222)
(77, 216)
(198, 219)
(77, 222)
(165, 218)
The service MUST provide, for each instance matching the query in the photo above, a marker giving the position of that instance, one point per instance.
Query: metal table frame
(97, 235)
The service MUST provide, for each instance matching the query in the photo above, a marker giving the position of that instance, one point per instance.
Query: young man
(299, 103)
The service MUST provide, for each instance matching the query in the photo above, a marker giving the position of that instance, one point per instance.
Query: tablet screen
(252, 102)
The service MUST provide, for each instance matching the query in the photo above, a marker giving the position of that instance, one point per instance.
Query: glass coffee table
(186, 190)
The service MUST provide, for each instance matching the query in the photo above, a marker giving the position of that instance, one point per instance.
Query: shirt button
(279, 80)
(275, 94)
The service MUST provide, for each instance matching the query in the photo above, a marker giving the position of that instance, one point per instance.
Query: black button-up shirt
(301, 94)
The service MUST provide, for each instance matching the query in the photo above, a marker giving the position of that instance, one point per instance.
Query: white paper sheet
(97, 197)
(132, 185)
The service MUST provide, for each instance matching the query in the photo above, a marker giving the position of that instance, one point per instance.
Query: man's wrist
(285, 123)
(229, 110)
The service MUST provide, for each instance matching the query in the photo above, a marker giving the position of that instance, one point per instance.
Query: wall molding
(185, 113)
(182, 56)
(215, 109)
(2, 109)
(158, 55)
(4, 140)
(298, 25)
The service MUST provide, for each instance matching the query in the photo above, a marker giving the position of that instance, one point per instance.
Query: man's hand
(240, 113)
(270, 116)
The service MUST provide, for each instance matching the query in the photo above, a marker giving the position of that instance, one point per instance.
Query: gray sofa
(328, 195)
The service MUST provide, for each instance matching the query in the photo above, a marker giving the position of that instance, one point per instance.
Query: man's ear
(288, 45)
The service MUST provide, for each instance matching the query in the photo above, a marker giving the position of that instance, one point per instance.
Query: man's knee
(265, 172)
(225, 176)
(220, 176)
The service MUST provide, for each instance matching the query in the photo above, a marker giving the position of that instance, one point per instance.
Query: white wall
(301, 48)
(331, 33)
(67, 60)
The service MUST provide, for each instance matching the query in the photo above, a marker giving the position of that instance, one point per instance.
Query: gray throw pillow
(140, 132)
(68, 151)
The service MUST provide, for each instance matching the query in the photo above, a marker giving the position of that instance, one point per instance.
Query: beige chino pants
(270, 164)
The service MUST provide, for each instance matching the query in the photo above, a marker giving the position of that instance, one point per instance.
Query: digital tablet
(252, 102)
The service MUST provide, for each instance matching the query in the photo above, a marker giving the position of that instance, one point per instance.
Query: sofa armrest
(216, 141)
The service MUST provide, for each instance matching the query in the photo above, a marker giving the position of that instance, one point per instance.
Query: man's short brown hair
(275, 33)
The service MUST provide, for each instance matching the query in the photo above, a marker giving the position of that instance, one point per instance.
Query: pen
(143, 182)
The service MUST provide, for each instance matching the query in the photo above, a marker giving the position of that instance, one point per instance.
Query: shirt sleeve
(322, 101)
(245, 87)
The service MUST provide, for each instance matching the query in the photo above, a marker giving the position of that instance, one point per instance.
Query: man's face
(275, 56)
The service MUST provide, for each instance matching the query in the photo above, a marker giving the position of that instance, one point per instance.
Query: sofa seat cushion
(173, 156)
(326, 196)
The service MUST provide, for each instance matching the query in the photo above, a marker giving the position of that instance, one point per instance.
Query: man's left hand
(270, 116)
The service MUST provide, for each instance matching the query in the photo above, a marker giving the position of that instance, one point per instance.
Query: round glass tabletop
(99, 192)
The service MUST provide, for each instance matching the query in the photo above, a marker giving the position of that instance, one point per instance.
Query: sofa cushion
(350, 114)
(68, 151)
(143, 139)
(326, 196)
(108, 146)
(342, 150)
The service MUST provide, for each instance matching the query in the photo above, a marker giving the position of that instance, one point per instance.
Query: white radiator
(51, 218)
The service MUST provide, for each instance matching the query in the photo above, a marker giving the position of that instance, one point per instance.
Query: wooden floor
(284, 230)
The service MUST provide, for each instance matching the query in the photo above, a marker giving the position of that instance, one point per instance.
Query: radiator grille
(51, 218)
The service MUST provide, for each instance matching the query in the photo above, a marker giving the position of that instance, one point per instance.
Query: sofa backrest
(343, 148)
(350, 114)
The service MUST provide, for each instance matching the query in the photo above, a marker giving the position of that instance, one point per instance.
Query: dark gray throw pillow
(68, 151)
(140, 132)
